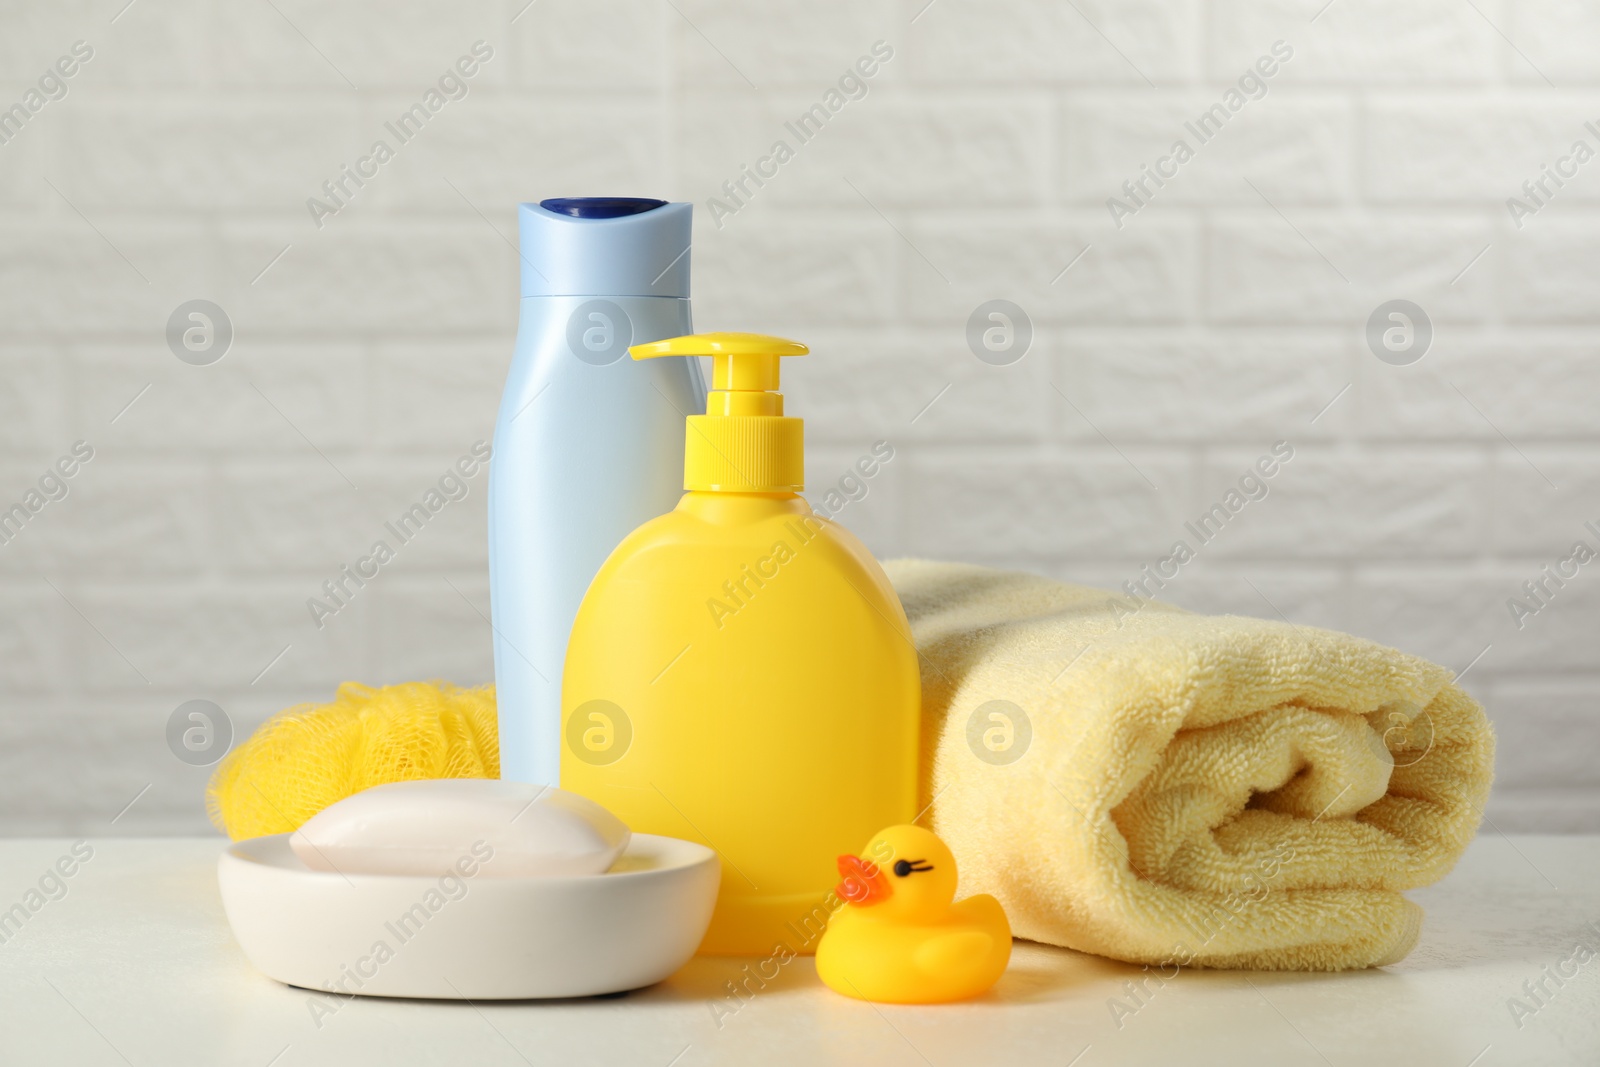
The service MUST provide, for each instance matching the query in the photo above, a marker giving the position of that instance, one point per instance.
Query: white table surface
(135, 965)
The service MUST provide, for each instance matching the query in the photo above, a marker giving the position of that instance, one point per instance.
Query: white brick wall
(1218, 319)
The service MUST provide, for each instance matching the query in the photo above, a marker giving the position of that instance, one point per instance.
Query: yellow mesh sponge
(303, 759)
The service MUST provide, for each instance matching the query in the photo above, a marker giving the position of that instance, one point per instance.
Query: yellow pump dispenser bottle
(741, 673)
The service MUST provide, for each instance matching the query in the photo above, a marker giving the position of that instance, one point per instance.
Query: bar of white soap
(504, 829)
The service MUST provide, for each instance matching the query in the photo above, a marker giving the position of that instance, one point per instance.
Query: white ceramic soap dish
(458, 936)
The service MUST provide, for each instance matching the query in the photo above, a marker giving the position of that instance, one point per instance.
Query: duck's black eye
(905, 867)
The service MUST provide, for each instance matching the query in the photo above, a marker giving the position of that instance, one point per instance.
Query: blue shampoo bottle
(588, 443)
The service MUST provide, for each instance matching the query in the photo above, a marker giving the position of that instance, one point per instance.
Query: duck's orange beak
(863, 883)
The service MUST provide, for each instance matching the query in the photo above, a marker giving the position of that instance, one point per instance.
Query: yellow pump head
(743, 443)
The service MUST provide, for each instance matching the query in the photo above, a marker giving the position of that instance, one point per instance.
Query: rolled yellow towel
(1168, 788)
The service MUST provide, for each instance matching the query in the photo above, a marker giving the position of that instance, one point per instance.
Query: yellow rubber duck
(901, 937)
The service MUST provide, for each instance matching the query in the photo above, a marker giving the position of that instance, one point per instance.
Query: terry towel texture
(1210, 790)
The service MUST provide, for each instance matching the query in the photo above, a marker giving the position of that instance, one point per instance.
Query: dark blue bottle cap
(600, 207)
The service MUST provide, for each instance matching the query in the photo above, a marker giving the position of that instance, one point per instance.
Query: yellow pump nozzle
(744, 443)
